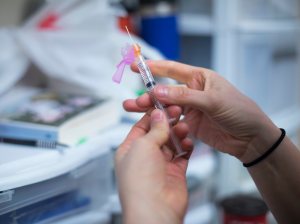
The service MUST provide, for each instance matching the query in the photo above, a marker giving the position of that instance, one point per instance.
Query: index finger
(171, 69)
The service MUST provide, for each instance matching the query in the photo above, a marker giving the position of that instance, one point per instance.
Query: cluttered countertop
(51, 41)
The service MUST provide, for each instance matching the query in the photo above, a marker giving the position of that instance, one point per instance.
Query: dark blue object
(161, 32)
(47, 209)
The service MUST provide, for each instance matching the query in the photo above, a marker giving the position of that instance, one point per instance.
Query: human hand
(152, 186)
(215, 111)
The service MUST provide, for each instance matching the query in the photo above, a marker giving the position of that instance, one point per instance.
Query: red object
(244, 209)
(49, 22)
(126, 21)
(234, 219)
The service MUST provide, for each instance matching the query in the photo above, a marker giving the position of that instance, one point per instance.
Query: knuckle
(198, 79)
(197, 71)
(163, 132)
(157, 135)
(170, 65)
(181, 93)
(162, 129)
(165, 135)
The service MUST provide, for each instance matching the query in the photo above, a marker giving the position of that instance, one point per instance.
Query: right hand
(216, 112)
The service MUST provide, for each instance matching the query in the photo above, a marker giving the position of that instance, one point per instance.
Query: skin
(162, 188)
(219, 115)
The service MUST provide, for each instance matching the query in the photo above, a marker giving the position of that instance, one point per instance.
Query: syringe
(150, 84)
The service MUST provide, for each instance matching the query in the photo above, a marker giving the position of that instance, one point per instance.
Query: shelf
(268, 26)
(193, 24)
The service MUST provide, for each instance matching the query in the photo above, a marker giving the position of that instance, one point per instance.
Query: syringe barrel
(148, 80)
(150, 84)
(145, 73)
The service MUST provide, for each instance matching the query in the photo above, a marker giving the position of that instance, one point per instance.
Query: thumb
(159, 131)
(183, 96)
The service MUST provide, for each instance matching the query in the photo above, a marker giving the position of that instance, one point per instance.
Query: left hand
(152, 186)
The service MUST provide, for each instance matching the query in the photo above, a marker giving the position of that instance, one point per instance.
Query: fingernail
(161, 91)
(157, 115)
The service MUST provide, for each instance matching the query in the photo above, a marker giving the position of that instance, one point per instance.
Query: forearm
(278, 180)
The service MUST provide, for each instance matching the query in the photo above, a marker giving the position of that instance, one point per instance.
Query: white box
(85, 188)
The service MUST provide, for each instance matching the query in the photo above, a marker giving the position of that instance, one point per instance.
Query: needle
(129, 34)
(137, 49)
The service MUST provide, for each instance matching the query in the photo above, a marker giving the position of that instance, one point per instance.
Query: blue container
(161, 33)
(159, 29)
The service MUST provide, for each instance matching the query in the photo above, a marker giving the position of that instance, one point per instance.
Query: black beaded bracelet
(268, 152)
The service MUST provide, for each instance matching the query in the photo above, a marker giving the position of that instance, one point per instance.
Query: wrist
(145, 211)
(261, 142)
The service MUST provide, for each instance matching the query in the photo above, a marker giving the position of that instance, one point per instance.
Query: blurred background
(254, 44)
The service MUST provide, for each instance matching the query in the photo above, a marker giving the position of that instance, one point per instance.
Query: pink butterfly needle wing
(128, 59)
